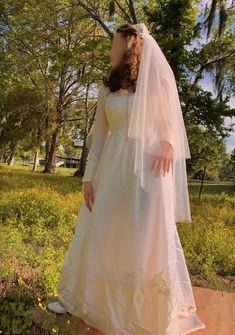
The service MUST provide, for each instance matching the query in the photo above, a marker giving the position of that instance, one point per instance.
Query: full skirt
(125, 272)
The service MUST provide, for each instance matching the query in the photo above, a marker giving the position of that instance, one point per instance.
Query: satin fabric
(125, 272)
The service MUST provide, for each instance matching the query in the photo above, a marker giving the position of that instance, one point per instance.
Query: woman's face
(117, 50)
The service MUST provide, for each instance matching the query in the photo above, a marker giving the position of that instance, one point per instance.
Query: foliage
(37, 220)
(209, 241)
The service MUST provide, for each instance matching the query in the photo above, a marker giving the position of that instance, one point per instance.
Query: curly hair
(126, 73)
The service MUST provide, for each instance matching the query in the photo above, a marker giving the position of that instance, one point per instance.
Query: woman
(125, 271)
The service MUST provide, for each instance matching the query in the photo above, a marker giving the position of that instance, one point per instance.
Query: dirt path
(215, 308)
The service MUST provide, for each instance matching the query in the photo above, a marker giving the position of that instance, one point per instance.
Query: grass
(38, 216)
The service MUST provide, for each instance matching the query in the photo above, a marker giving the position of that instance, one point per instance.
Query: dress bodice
(118, 106)
(112, 118)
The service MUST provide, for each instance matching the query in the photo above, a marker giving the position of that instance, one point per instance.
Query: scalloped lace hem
(78, 306)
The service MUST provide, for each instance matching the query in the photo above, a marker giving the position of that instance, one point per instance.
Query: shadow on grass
(226, 187)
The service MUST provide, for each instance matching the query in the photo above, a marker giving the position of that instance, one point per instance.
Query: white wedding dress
(113, 272)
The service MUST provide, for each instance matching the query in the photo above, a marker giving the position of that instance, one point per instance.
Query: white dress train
(116, 271)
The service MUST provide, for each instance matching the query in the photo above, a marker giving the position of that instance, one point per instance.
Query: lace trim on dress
(134, 280)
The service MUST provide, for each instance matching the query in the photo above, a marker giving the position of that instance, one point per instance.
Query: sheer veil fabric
(156, 118)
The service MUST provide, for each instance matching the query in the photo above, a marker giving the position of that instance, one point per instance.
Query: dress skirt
(125, 272)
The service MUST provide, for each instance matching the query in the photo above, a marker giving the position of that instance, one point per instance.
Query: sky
(207, 85)
(230, 141)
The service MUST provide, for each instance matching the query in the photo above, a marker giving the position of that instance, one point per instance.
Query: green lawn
(37, 219)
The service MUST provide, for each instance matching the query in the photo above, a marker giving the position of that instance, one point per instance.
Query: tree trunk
(82, 164)
(11, 156)
(47, 150)
(3, 156)
(47, 145)
(50, 165)
(35, 159)
(203, 177)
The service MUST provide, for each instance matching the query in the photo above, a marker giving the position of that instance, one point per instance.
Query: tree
(51, 43)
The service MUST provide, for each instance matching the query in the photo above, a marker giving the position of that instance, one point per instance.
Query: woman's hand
(162, 162)
(88, 194)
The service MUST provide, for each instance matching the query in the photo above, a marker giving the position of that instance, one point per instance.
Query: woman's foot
(57, 307)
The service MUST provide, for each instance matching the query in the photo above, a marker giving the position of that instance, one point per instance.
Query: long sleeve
(165, 128)
(99, 133)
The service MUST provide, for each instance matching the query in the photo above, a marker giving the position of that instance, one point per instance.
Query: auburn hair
(126, 73)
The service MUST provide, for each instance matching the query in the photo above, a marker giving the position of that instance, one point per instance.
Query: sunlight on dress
(124, 253)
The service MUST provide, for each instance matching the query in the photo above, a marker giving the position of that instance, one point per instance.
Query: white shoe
(56, 307)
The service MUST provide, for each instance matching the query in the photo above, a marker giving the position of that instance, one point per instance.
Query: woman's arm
(165, 128)
(100, 130)
(165, 132)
